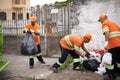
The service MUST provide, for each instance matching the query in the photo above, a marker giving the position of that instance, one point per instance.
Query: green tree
(63, 3)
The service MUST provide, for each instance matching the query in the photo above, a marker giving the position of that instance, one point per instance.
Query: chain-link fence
(53, 22)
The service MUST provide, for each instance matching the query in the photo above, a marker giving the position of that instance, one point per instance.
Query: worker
(70, 44)
(111, 31)
(34, 28)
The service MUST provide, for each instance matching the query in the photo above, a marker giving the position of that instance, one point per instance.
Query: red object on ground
(101, 52)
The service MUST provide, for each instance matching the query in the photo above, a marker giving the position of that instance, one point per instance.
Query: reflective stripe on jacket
(72, 42)
(114, 33)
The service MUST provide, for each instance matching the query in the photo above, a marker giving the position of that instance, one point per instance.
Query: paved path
(19, 67)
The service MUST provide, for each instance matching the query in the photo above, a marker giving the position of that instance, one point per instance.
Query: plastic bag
(92, 64)
(96, 56)
(101, 70)
(28, 46)
(107, 58)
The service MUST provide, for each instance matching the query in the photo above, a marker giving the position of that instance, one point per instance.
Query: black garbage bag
(91, 65)
(28, 46)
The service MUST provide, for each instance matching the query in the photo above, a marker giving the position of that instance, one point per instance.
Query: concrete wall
(88, 19)
(5, 4)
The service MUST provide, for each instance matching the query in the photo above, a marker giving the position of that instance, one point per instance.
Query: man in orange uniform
(34, 28)
(70, 44)
(111, 31)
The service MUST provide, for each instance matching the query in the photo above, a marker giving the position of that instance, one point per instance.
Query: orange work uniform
(114, 33)
(68, 45)
(72, 42)
(36, 27)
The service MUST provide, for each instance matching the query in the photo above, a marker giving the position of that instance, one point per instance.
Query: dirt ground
(19, 70)
(69, 74)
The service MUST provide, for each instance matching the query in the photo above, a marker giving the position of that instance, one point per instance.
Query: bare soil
(69, 74)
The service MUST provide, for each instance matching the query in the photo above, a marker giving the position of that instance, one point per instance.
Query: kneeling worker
(70, 44)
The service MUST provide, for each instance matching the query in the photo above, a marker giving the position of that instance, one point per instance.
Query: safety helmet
(88, 36)
(102, 16)
(33, 18)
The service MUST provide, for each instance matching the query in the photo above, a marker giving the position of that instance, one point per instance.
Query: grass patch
(68, 61)
(118, 78)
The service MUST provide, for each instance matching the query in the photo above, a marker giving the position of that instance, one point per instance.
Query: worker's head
(87, 37)
(33, 20)
(102, 18)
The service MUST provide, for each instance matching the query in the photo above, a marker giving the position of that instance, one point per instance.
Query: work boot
(55, 67)
(40, 59)
(43, 62)
(111, 74)
(76, 66)
(55, 70)
(106, 78)
(118, 72)
(31, 62)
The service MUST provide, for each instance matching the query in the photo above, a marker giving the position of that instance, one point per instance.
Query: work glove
(23, 31)
(87, 55)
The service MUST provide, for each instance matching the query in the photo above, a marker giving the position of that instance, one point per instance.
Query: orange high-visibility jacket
(36, 27)
(72, 42)
(114, 33)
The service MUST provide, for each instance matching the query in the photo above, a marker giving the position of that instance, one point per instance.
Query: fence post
(46, 46)
(1, 40)
(16, 19)
(64, 20)
(68, 18)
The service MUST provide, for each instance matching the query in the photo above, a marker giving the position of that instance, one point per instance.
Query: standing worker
(34, 28)
(111, 31)
(70, 44)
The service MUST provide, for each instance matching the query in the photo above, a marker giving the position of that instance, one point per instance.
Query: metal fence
(54, 25)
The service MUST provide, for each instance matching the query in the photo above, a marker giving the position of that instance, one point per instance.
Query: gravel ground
(18, 69)
(69, 74)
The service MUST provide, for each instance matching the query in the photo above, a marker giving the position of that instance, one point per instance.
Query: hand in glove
(87, 55)
(23, 31)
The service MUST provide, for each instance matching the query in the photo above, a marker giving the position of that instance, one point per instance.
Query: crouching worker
(34, 28)
(70, 44)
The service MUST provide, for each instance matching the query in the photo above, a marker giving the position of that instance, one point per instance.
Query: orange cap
(102, 16)
(88, 36)
(33, 18)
